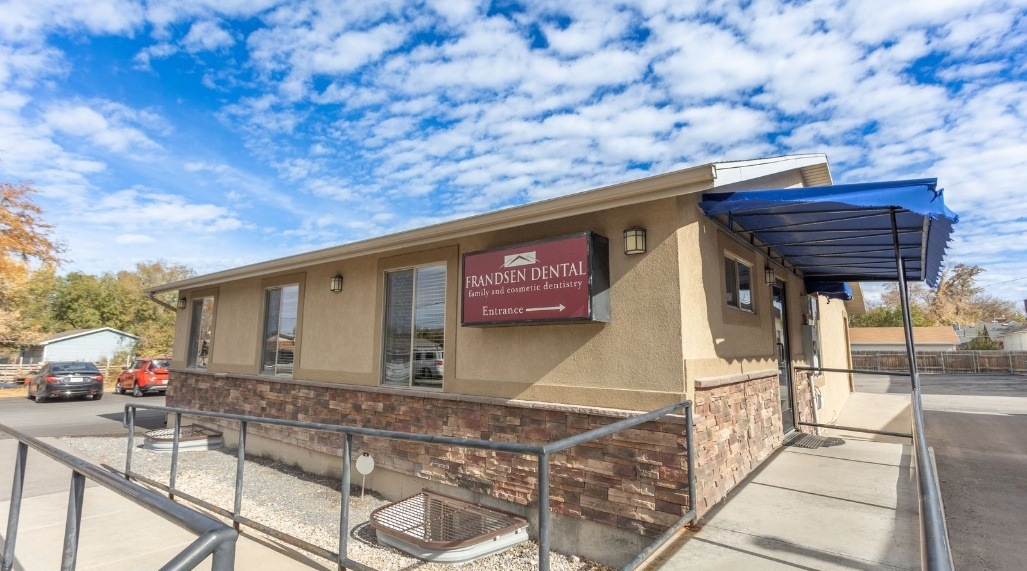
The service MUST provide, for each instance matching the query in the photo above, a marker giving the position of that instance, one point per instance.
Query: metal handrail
(934, 539)
(215, 538)
(542, 452)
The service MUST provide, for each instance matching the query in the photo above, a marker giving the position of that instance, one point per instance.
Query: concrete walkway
(116, 534)
(849, 506)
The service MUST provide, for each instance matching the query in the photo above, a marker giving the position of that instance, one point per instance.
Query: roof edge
(620, 194)
(87, 332)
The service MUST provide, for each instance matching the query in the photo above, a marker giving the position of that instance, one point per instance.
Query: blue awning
(843, 233)
(831, 290)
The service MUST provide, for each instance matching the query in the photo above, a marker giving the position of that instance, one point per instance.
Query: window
(415, 327)
(201, 331)
(281, 307)
(738, 283)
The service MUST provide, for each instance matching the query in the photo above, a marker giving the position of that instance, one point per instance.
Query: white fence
(943, 361)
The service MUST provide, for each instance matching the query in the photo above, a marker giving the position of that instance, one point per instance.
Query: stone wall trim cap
(713, 382)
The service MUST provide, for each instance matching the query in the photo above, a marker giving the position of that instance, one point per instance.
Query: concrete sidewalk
(848, 506)
(116, 534)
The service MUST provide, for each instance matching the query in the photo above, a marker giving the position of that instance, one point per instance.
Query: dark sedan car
(66, 379)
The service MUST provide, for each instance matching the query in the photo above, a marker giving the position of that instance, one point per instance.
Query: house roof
(812, 167)
(941, 334)
(81, 332)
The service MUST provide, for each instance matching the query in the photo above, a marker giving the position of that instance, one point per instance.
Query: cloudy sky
(220, 132)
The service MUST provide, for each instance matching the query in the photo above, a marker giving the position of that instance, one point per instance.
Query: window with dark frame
(415, 327)
(738, 284)
(201, 332)
(281, 310)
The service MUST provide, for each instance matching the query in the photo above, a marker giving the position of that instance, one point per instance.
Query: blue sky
(218, 133)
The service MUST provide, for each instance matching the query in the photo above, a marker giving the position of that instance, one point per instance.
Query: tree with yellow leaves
(24, 240)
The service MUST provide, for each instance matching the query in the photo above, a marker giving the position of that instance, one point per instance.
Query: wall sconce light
(768, 275)
(337, 283)
(181, 302)
(634, 240)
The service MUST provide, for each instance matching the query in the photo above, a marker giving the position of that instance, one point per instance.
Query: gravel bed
(300, 504)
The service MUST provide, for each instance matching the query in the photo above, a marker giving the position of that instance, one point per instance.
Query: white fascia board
(733, 172)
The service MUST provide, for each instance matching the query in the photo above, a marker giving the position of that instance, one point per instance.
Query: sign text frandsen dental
(552, 280)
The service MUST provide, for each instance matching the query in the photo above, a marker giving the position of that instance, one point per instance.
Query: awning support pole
(935, 554)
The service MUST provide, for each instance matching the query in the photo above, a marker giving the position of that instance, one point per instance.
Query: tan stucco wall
(669, 326)
(834, 343)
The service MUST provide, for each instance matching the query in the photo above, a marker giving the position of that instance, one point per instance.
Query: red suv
(144, 376)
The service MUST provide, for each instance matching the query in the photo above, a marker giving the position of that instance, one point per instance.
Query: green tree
(982, 343)
(885, 316)
(84, 301)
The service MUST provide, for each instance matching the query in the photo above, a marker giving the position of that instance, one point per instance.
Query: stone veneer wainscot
(635, 480)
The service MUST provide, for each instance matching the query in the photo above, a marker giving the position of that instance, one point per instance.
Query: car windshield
(61, 368)
(159, 364)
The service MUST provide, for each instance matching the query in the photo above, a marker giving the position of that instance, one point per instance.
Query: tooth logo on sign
(522, 259)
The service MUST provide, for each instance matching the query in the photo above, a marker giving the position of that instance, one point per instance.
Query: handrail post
(7, 560)
(130, 411)
(73, 524)
(347, 447)
(240, 463)
(693, 503)
(543, 512)
(223, 558)
(175, 438)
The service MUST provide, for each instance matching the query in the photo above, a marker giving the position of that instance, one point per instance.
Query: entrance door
(783, 355)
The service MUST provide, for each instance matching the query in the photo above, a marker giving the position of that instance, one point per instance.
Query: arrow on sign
(554, 308)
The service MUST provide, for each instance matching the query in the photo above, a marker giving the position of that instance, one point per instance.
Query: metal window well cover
(190, 437)
(435, 527)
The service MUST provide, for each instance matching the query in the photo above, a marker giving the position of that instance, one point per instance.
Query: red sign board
(563, 279)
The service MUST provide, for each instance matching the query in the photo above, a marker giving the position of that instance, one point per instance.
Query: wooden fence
(943, 361)
(13, 371)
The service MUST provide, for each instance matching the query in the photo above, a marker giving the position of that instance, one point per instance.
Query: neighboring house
(1015, 339)
(550, 318)
(966, 333)
(80, 345)
(937, 338)
(996, 330)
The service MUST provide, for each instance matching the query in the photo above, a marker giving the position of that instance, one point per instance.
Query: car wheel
(136, 392)
(98, 395)
(117, 388)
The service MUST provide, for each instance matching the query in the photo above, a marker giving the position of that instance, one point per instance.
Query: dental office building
(531, 324)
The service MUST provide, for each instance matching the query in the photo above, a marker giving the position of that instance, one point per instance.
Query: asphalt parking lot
(976, 425)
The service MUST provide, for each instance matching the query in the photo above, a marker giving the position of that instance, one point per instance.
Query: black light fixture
(634, 240)
(181, 302)
(337, 283)
(768, 275)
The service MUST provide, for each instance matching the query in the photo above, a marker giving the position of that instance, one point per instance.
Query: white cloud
(206, 35)
(108, 131)
(134, 239)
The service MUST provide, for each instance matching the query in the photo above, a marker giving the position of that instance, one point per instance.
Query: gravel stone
(300, 504)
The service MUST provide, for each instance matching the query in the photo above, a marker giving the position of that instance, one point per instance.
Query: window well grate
(190, 437)
(439, 528)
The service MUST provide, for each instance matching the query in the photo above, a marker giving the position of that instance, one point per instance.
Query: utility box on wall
(559, 280)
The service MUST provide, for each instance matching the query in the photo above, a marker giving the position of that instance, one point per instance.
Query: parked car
(428, 364)
(148, 375)
(66, 379)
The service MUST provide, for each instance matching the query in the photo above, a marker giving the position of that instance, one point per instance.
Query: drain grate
(811, 441)
(440, 528)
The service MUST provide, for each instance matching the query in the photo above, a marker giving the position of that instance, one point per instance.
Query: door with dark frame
(783, 353)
